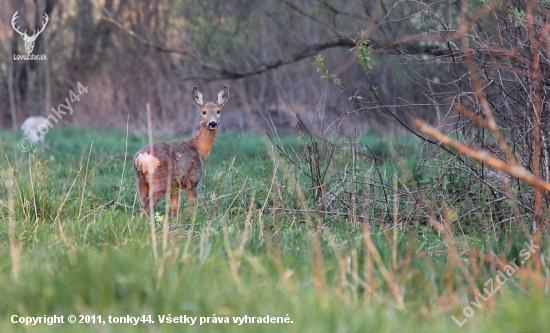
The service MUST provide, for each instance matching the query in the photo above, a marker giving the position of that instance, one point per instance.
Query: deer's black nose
(213, 124)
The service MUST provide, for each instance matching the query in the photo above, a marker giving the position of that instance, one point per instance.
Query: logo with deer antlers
(29, 40)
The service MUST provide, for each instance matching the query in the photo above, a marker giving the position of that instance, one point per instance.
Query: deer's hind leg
(146, 197)
(175, 199)
(143, 192)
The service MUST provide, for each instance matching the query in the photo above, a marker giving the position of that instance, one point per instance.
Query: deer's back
(177, 160)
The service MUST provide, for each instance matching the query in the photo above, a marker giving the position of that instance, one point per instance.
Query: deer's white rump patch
(147, 163)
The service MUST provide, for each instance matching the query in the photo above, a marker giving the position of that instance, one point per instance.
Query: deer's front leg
(191, 196)
(192, 183)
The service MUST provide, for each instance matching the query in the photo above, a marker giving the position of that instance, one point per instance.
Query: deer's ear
(197, 97)
(223, 96)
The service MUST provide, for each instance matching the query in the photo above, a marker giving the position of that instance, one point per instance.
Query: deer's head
(210, 110)
(29, 40)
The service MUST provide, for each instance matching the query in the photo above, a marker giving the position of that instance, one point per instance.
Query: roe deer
(177, 165)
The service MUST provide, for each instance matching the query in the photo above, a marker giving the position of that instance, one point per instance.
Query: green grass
(83, 248)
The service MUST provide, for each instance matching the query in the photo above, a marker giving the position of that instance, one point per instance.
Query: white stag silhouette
(29, 40)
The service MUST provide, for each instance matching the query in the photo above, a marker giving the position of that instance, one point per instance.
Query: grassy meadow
(365, 252)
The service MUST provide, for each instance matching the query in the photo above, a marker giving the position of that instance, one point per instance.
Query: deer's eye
(204, 113)
(218, 111)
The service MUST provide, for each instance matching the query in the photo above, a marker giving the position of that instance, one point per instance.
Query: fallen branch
(484, 156)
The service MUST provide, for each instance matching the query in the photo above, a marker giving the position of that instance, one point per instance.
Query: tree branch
(411, 46)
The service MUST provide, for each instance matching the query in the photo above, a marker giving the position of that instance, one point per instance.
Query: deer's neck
(203, 141)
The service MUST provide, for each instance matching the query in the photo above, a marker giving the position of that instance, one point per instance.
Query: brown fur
(177, 165)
